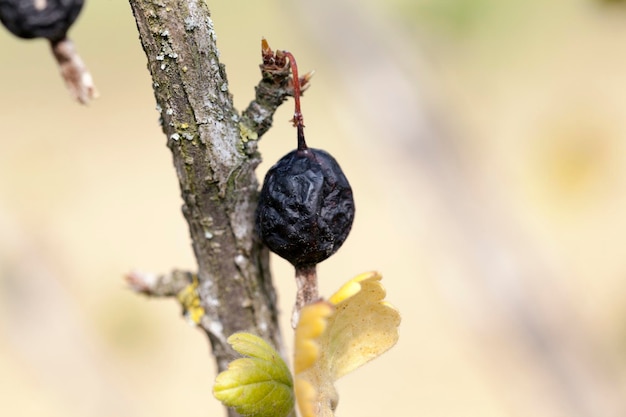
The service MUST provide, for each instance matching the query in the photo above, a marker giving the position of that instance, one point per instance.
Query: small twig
(180, 284)
(165, 285)
(271, 92)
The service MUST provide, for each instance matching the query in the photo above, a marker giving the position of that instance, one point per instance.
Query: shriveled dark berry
(306, 207)
(50, 19)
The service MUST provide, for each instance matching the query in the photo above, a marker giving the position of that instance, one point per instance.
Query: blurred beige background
(485, 141)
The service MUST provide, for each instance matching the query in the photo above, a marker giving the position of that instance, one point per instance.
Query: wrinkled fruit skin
(306, 207)
(26, 19)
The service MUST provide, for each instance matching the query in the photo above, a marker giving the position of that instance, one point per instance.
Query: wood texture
(214, 152)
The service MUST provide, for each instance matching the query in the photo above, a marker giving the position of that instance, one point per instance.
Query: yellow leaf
(311, 325)
(334, 338)
(364, 325)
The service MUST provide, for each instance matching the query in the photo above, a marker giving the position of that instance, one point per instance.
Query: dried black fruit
(306, 208)
(48, 19)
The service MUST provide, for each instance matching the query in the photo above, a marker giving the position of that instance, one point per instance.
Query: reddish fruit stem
(298, 121)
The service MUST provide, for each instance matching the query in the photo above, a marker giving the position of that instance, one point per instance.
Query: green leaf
(259, 385)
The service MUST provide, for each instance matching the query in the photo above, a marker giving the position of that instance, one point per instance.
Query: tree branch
(274, 87)
(215, 156)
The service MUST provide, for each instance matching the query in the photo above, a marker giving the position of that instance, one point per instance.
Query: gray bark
(214, 152)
